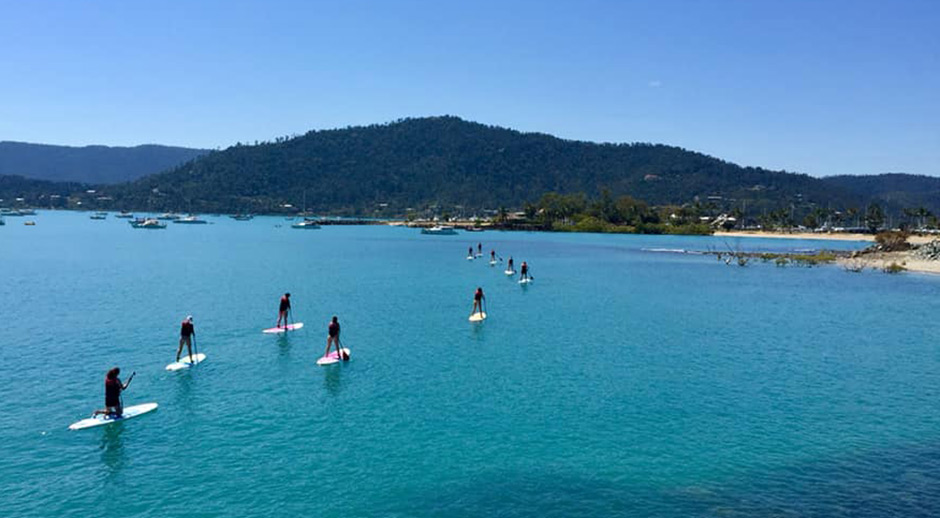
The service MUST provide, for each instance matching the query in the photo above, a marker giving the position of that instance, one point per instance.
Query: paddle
(194, 348)
(128, 384)
(129, 380)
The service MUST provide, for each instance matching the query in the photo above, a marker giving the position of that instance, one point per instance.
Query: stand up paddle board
(331, 358)
(469, 257)
(478, 317)
(103, 419)
(525, 281)
(186, 363)
(290, 327)
(492, 263)
(509, 272)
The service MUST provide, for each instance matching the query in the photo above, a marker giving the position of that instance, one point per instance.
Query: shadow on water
(891, 482)
(283, 344)
(332, 379)
(478, 331)
(184, 387)
(112, 448)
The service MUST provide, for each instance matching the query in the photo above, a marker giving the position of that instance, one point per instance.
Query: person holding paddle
(284, 310)
(187, 333)
(524, 273)
(112, 393)
(509, 266)
(478, 299)
(333, 338)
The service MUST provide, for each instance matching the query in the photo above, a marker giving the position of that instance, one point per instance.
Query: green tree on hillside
(874, 217)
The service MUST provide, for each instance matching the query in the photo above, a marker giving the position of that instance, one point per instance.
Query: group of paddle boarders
(523, 270)
(113, 387)
(479, 299)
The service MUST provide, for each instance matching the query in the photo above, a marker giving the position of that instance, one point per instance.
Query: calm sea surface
(622, 382)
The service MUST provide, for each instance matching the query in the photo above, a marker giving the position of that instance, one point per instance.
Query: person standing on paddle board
(480, 249)
(187, 332)
(509, 265)
(333, 338)
(112, 393)
(283, 310)
(478, 299)
(492, 256)
(470, 252)
(524, 274)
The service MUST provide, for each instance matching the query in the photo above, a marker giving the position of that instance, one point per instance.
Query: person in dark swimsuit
(480, 249)
(524, 274)
(112, 393)
(511, 269)
(492, 256)
(284, 310)
(478, 299)
(470, 252)
(333, 338)
(187, 332)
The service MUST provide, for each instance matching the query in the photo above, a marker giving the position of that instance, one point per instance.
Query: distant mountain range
(449, 163)
(90, 164)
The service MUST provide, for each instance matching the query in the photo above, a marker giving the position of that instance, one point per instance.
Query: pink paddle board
(331, 358)
(290, 327)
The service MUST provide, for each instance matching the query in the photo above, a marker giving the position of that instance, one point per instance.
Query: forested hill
(447, 161)
(904, 190)
(90, 164)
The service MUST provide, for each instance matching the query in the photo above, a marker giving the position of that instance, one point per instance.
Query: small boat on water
(439, 230)
(169, 216)
(148, 223)
(10, 212)
(474, 229)
(124, 215)
(190, 220)
(27, 212)
(242, 217)
(99, 215)
(307, 223)
(29, 223)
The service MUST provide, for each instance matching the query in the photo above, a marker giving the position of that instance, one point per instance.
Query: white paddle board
(478, 317)
(102, 419)
(509, 272)
(332, 358)
(525, 281)
(185, 362)
(290, 327)
(469, 257)
(492, 263)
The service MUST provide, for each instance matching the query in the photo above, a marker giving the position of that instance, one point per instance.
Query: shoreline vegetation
(892, 252)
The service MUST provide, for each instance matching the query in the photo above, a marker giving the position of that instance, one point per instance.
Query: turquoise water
(621, 382)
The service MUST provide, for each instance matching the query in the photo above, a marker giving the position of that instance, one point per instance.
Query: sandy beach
(835, 236)
(880, 260)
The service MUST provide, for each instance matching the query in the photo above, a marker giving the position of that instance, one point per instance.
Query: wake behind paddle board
(185, 362)
(290, 327)
(102, 419)
(332, 358)
(478, 317)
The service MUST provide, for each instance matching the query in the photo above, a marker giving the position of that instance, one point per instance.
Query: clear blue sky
(821, 87)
